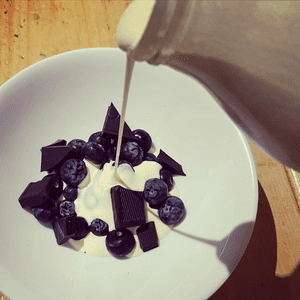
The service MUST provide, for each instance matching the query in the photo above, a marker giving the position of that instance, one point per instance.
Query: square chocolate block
(128, 207)
(147, 236)
(64, 228)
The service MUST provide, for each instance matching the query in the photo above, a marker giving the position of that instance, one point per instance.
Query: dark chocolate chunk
(53, 156)
(64, 228)
(111, 126)
(169, 164)
(128, 207)
(45, 215)
(58, 143)
(54, 186)
(38, 193)
(147, 236)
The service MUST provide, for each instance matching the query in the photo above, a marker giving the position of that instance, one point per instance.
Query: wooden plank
(278, 185)
(47, 28)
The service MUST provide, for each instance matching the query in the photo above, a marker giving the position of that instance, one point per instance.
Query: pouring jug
(246, 53)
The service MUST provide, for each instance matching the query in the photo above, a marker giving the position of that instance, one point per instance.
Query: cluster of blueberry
(65, 163)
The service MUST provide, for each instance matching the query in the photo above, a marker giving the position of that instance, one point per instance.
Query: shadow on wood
(254, 277)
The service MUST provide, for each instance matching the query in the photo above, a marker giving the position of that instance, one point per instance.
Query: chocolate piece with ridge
(54, 155)
(64, 228)
(147, 236)
(169, 164)
(38, 193)
(128, 207)
(111, 125)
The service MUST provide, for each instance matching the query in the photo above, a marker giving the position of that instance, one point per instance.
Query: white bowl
(67, 96)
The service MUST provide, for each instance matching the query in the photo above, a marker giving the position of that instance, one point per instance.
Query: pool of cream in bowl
(94, 201)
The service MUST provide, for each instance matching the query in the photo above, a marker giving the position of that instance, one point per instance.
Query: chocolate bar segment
(169, 164)
(40, 192)
(147, 236)
(128, 207)
(53, 156)
(64, 228)
(111, 125)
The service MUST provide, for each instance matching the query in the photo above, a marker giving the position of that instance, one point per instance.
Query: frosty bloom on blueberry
(73, 171)
(172, 211)
(66, 208)
(93, 152)
(70, 193)
(99, 227)
(132, 152)
(155, 191)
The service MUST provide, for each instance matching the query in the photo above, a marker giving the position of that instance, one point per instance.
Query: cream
(133, 23)
(94, 201)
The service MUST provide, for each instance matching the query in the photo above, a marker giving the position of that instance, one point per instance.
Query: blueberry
(172, 211)
(70, 193)
(82, 228)
(98, 138)
(45, 214)
(93, 152)
(155, 191)
(66, 208)
(73, 171)
(144, 139)
(120, 242)
(132, 152)
(150, 157)
(77, 145)
(167, 177)
(99, 227)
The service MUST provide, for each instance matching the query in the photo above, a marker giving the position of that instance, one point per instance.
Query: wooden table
(33, 30)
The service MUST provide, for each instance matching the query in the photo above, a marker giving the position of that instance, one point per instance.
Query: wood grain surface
(33, 30)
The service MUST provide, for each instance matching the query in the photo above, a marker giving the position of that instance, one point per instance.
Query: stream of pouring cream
(130, 29)
(128, 75)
